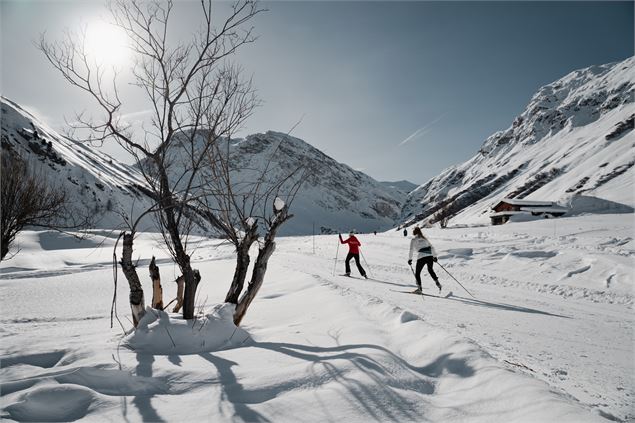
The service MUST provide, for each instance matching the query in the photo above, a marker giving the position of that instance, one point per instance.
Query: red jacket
(353, 244)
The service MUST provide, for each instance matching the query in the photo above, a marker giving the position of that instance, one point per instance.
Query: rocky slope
(334, 197)
(94, 181)
(573, 144)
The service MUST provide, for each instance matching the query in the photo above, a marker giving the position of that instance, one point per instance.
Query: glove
(434, 259)
(410, 262)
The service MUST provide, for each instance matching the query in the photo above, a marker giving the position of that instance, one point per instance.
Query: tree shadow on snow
(502, 306)
(234, 392)
(143, 402)
(369, 393)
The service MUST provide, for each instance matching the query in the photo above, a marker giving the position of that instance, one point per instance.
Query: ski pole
(365, 262)
(337, 252)
(446, 271)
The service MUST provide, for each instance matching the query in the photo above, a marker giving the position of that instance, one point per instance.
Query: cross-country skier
(425, 256)
(353, 253)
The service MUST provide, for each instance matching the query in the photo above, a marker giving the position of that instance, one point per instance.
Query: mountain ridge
(334, 198)
(570, 145)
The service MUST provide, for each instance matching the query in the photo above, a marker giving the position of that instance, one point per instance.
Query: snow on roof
(515, 202)
(527, 210)
(507, 213)
(554, 209)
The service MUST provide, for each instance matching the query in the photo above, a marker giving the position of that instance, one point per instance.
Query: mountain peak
(574, 138)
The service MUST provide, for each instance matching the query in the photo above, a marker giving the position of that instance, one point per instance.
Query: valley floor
(548, 336)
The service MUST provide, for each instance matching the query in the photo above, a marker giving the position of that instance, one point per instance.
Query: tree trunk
(180, 283)
(137, 302)
(260, 267)
(191, 277)
(157, 290)
(4, 249)
(242, 265)
(257, 277)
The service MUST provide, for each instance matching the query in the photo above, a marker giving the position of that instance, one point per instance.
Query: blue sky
(400, 90)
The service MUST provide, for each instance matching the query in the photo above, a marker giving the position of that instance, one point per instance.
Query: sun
(106, 44)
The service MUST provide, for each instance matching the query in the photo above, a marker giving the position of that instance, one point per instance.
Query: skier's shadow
(390, 283)
(502, 306)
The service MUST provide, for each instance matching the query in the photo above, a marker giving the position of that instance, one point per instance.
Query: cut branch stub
(180, 287)
(157, 290)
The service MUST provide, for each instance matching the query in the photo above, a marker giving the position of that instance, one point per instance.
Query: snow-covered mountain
(334, 196)
(95, 182)
(573, 144)
(401, 186)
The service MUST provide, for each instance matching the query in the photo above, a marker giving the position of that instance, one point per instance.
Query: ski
(354, 277)
(448, 295)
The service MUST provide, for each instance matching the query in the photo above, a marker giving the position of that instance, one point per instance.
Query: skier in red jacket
(353, 252)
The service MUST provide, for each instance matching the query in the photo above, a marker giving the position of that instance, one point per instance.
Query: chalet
(509, 207)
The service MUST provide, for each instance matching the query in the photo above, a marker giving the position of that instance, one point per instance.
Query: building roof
(528, 210)
(516, 202)
(507, 213)
(553, 209)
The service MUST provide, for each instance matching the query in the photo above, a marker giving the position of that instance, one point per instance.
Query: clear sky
(400, 90)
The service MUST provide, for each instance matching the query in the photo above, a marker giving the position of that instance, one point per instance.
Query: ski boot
(438, 285)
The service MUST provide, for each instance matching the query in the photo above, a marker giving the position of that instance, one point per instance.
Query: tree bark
(180, 285)
(169, 207)
(137, 302)
(192, 277)
(260, 267)
(257, 278)
(242, 266)
(157, 290)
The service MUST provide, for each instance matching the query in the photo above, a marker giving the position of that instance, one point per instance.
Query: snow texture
(547, 338)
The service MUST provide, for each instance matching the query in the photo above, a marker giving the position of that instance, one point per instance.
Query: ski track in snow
(584, 335)
(329, 348)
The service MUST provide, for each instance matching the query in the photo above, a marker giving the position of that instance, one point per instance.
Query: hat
(352, 232)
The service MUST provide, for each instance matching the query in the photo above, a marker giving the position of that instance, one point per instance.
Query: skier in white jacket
(425, 255)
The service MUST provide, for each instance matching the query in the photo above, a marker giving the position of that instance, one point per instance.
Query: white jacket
(421, 247)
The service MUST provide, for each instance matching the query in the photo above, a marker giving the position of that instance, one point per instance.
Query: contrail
(421, 130)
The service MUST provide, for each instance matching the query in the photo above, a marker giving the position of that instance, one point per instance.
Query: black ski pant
(359, 266)
(423, 261)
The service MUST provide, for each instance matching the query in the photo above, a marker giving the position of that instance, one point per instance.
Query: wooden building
(509, 207)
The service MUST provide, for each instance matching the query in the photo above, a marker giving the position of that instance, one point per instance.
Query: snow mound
(53, 404)
(407, 316)
(161, 333)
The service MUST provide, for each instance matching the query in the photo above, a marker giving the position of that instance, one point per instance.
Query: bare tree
(191, 88)
(240, 206)
(29, 200)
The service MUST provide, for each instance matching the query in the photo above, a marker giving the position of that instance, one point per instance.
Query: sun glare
(106, 44)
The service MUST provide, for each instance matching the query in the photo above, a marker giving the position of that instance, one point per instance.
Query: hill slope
(573, 144)
(93, 180)
(334, 196)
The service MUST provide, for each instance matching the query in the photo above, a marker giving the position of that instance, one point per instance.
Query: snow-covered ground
(549, 336)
